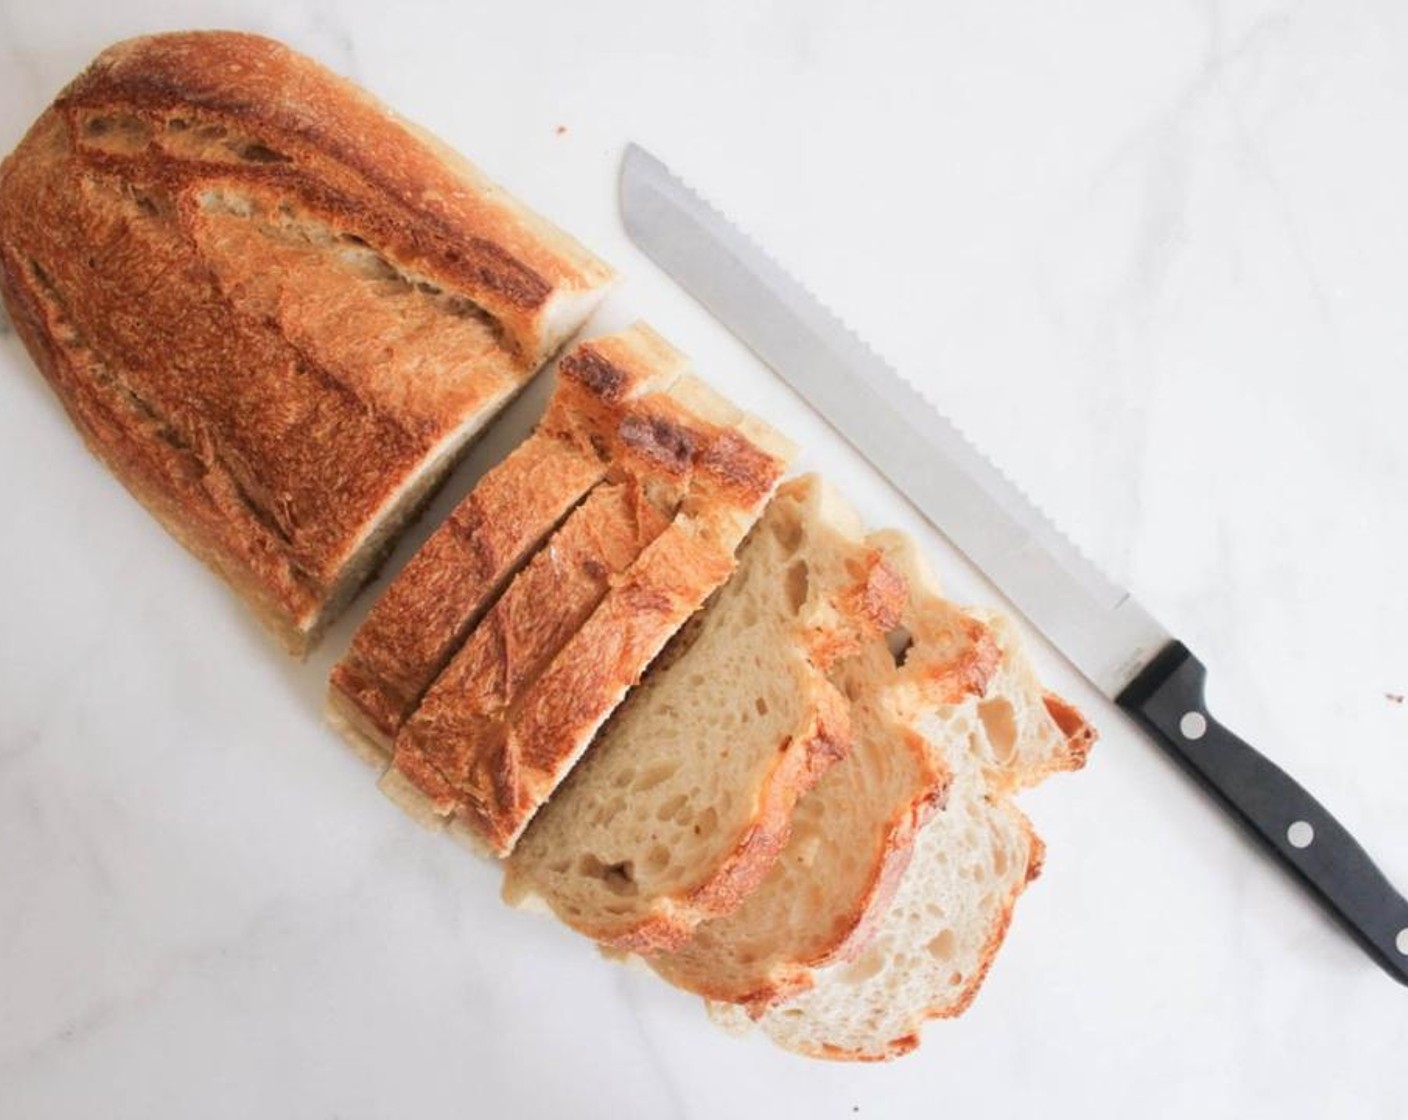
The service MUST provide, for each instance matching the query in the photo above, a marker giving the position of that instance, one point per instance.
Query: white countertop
(1153, 257)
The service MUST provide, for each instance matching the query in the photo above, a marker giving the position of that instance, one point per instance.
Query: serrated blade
(1104, 632)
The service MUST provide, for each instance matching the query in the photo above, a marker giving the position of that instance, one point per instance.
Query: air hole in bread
(670, 808)
(900, 642)
(619, 878)
(255, 152)
(761, 705)
(607, 813)
(788, 531)
(798, 585)
(941, 945)
(864, 968)
(657, 859)
(119, 133)
(1000, 725)
(707, 822)
(654, 775)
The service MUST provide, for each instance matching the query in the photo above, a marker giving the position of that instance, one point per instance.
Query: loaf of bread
(274, 309)
(279, 314)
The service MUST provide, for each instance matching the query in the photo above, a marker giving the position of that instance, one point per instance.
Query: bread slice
(438, 598)
(850, 840)
(932, 945)
(683, 803)
(493, 769)
(852, 834)
(545, 605)
(935, 944)
(950, 654)
(279, 340)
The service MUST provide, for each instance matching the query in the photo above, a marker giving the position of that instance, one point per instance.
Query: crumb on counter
(1394, 697)
(561, 129)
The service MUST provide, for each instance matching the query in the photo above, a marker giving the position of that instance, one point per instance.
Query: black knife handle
(1167, 700)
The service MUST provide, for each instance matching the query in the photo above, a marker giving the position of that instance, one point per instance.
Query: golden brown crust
(1080, 734)
(197, 507)
(423, 617)
(428, 611)
(441, 745)
(291, 312)
(445, 218)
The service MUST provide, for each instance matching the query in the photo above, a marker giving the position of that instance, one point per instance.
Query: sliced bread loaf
(684, 801)
(493, 765)
(441, 594)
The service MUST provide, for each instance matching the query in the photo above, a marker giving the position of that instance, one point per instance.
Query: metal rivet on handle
(1300, 834)
(1402, 941)
(1193, 725)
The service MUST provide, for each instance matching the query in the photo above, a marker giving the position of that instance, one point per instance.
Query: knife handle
(1167, 700)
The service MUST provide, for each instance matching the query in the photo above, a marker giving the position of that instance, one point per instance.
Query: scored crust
(420, 620)
(433, 209)
(434, 603)
(274, 312)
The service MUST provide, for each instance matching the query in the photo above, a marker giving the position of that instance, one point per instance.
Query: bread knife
(1099, 627)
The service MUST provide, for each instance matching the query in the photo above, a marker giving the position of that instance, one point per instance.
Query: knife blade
(1097, 625)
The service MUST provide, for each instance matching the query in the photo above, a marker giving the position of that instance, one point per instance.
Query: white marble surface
(1153, 256)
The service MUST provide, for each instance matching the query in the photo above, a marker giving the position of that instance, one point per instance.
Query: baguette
(277, 312)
